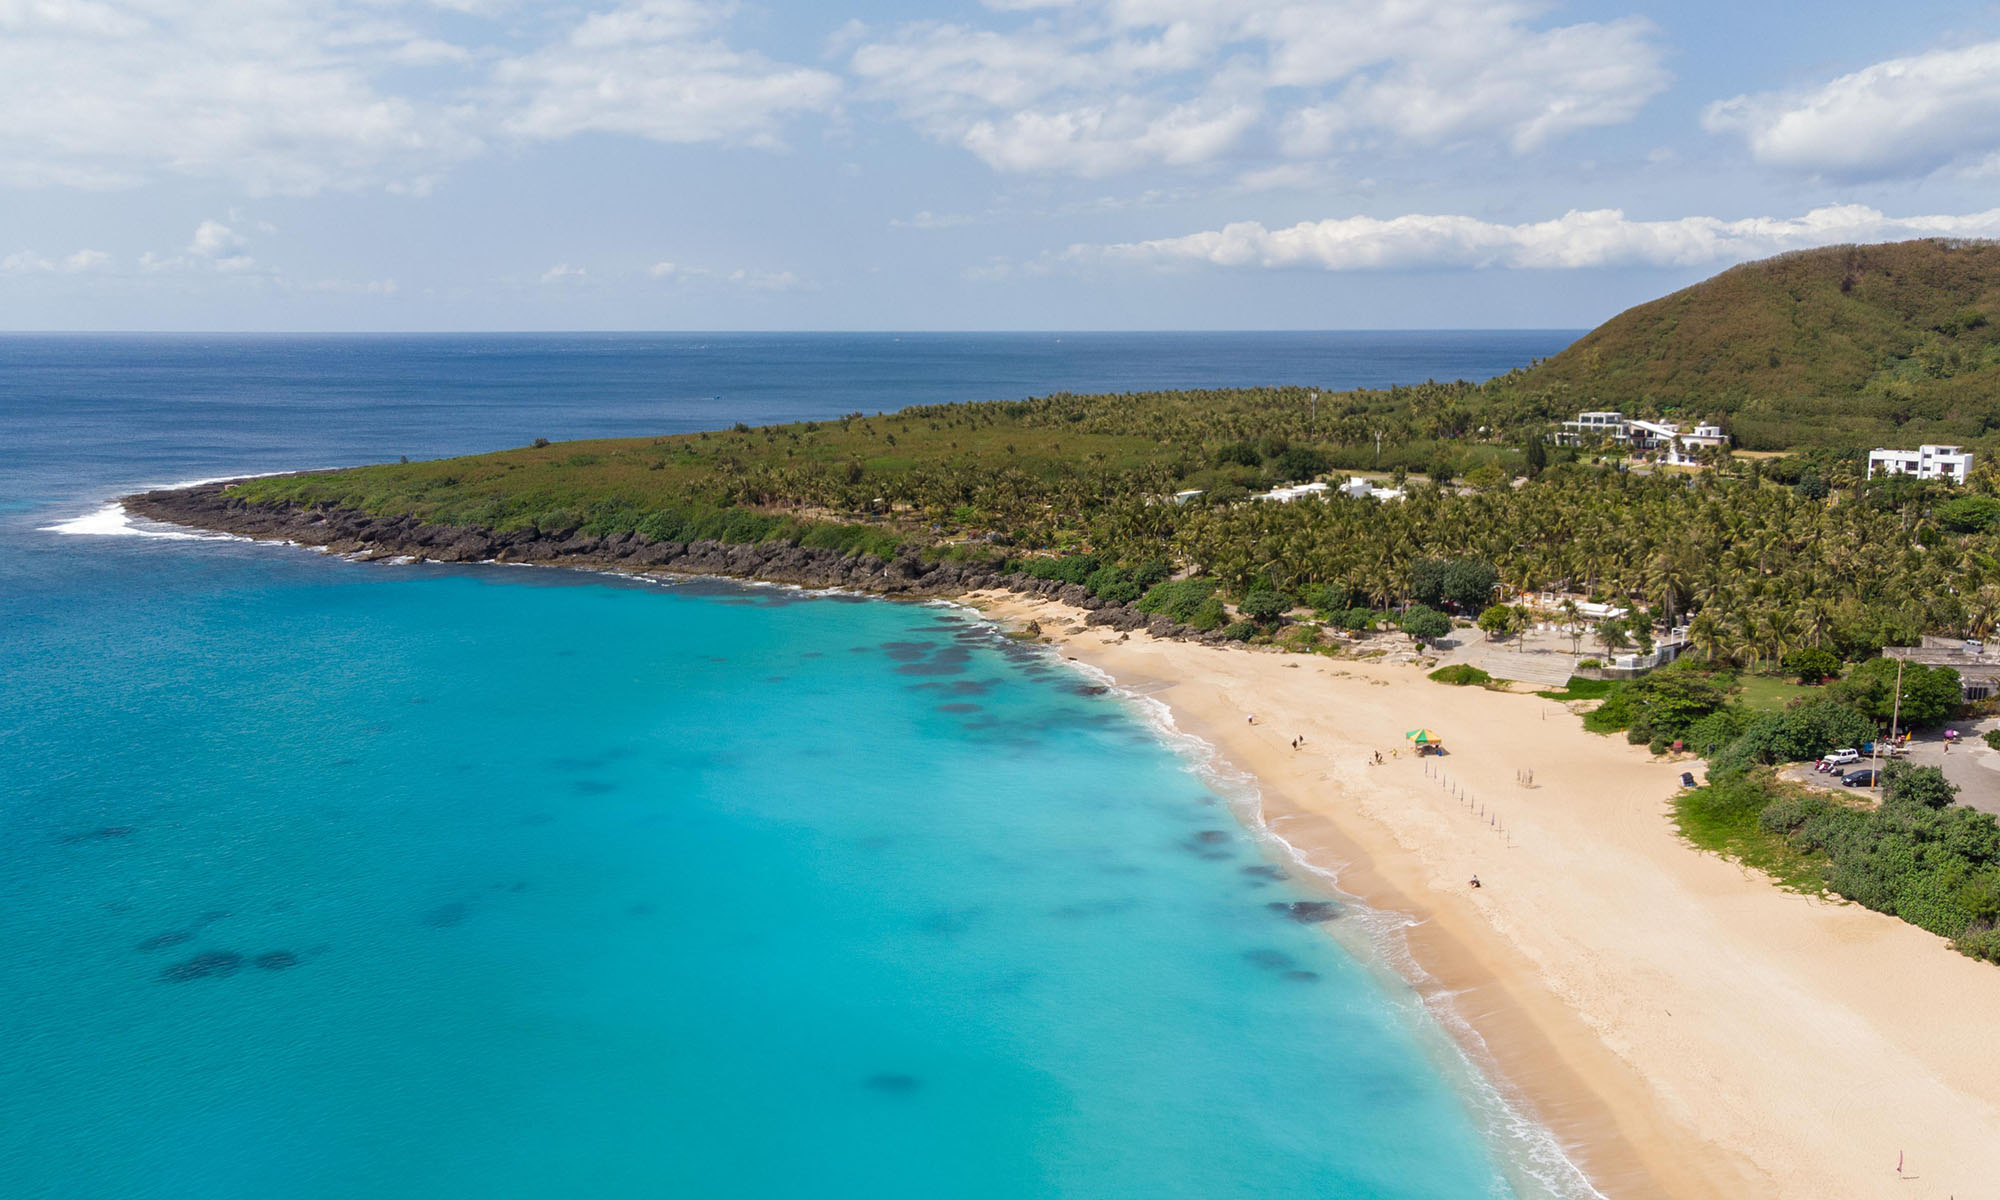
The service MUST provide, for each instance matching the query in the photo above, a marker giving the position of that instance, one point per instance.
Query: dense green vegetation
(1843, 346)
(1918, 855)
(1773, 560)
(1797, 563)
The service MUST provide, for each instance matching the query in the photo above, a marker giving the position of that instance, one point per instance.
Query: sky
(409, 165)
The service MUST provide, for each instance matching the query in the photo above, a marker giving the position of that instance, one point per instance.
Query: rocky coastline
(365, 536)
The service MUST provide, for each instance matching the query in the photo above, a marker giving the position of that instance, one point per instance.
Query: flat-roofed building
(1952, 463)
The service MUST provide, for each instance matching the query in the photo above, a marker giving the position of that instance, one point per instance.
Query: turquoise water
(322, 879)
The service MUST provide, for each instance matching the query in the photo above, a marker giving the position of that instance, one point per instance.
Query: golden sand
(1686, 1028)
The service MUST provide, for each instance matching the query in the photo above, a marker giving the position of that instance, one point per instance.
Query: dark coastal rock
(362, 536)
(160, 941)
(958, 708)
(1265, 871)
(209, 962)
(277, 960)
(1307, 912)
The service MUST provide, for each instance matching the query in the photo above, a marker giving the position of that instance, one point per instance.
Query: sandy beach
(1685, 1027)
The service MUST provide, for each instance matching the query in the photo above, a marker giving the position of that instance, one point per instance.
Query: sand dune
(1687, 1028)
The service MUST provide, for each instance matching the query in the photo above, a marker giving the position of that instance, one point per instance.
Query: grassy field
(1767, 693)
(1723, 818)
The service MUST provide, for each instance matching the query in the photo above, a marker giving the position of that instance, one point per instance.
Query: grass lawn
(1579, 688)
(1723, 817)
(1768, 693)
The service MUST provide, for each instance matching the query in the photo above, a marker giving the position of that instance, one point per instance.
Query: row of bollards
(1472, 803)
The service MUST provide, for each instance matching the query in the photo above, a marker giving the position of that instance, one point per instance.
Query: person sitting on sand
(1475, 881)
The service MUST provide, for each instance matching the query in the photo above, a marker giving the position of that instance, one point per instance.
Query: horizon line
(762, 332)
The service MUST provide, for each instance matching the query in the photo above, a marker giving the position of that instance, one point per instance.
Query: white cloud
(1092, 87)
(1576, 240)
(274, 95)
(1906, 117)
(740, 277)
(212, 238)
(304, 96)
(27, 262)
(562, 272)
(655, 69)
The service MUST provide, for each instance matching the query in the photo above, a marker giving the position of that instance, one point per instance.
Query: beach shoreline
(1683, 1027)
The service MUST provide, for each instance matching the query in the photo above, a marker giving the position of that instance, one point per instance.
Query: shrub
(1177, 599)
(1812, 665)
(1265, 606)
(1301, 638)
(1360, 620)
(1424, 624)
(1589, 664)
(1803, 732)
(1113, 586)
(1979, 943)
(1209, 614)
(1717, 730)
(1787, 813)
(1461, 674)
(1497, 619)
(1327, 599)
(1240, 631)
(540, 443)
(1069, 568)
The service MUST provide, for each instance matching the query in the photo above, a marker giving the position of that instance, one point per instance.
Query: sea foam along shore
(1686, 1028)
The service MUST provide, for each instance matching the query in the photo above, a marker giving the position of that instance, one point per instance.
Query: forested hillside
(1840, 347)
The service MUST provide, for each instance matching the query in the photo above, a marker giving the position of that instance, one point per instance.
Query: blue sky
(1012, 164)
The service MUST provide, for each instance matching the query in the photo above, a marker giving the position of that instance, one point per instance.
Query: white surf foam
(112, 520)
(1541, 1167)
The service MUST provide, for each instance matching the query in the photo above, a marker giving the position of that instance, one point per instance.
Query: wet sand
(1686, 1028)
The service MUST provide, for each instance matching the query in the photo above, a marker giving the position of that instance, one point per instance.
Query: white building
(1591, 428)
(1925, 462)
(1673, 444)
(1359, 488)
(1285, 495)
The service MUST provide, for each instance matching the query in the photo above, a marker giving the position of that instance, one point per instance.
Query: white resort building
(1672, 443)
(1925, 462)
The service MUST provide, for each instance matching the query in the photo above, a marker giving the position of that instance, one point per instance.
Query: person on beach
(1475, 881)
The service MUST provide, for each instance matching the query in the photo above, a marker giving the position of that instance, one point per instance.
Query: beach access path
(1687, 1028)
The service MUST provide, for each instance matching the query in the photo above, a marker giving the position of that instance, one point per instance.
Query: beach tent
(1423, 737)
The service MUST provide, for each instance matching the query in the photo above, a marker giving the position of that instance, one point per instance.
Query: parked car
(1866, 777)
(1840, 758)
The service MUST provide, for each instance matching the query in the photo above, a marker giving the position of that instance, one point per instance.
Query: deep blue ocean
(327, 879)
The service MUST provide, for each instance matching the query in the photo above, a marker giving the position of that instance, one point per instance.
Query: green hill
(1842, 346)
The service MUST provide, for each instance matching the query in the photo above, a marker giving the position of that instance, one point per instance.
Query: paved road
(1969, 764)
